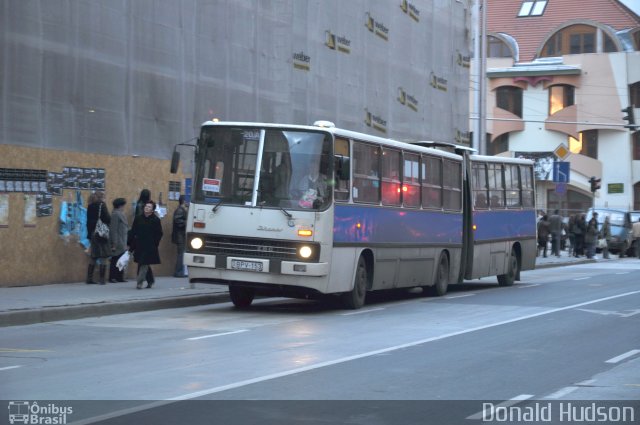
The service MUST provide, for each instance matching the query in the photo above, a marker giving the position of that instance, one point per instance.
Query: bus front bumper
(256, 265)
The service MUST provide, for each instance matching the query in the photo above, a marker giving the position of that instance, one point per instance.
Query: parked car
(621, 237)
(635, 216)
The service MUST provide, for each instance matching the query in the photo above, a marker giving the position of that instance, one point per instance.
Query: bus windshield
(294, 170)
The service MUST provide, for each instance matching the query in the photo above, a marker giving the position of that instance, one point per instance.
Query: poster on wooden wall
(4, 210)
(29, 210)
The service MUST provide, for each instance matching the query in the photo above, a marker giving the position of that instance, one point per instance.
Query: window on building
(510, 99)
(634, 95)
(500, 144)
(411, 181)
(560, 97)
(577, 39)
(582, 43)
(636, 197)
(431, 182)
(636, 146)
(636, 39)
(532, 8)
(496, 48)
(586, 144)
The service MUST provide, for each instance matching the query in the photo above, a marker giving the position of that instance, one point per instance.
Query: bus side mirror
(175, 161)
(342, 167)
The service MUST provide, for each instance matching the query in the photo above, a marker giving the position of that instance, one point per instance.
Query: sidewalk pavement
(25, 305)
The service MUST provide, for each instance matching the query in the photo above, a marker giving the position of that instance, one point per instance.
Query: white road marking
(369, 310)
(388, 349)
(623, 273)
(561, 393)
(621, 357)
(451, 297)
(531, 285)
(583, 278)
(507, 403)
(9, 367)
(215, 335)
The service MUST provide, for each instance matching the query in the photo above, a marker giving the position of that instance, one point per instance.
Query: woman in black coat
(100, 247)
(144, 239)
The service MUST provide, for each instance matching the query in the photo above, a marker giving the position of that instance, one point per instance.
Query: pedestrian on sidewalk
(178, 235)
(555, 227)
(579, 231)
(591, 236)
(100, 249)
(118, 230)
(636, 237)
(605, 233)
(144, 239)
(145, 196)
(572, 235)
(543, 235)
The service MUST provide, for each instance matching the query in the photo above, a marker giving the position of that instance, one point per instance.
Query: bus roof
(329, 128)
(501, 159)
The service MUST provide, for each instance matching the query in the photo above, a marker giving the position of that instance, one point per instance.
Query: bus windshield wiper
(287, 213)
(215, 208)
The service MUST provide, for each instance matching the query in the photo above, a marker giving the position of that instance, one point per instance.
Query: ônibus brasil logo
(26, 412)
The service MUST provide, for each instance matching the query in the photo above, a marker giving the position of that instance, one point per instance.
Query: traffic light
(595, 184)
(630, 116)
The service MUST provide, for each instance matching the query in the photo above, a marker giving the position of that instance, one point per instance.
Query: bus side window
(411, 181)
(496, 185)
(341, 167)
(512, 185)
(431, 182)
(452, 185)
(527, 186)
(480, 186)
(366, 180)
(391, 177)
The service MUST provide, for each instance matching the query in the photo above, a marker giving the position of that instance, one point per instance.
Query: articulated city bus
(308, 211)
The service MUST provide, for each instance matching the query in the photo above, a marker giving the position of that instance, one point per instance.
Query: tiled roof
(530, 32)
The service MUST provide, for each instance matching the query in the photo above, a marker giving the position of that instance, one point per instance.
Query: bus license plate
(252, 266)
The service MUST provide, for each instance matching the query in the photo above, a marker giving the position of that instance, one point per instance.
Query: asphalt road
(557, 335)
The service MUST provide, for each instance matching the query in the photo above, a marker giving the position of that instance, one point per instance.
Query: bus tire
(441, 279)
(354, 299)
(241, 297)
(510, 277)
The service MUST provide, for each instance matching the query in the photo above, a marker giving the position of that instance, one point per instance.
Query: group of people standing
(583, 235)
(142, 239)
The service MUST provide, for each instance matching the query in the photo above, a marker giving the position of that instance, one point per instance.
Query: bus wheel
(354, 299)
(241, 297)
(512, 271)
(441, 281)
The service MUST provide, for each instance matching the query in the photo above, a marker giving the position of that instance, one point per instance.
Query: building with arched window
(559, 74)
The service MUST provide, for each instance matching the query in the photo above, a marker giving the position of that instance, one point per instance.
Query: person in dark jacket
(178, 236)
(118, 231)
(145, 196)
(144, 238)
(543, 234)
(100, 249)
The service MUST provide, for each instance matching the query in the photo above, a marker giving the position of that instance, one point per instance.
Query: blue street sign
(561, 171)
(561, 188)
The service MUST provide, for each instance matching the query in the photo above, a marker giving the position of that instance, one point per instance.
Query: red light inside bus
(199, 225)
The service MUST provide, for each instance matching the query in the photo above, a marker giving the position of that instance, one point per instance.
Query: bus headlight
(305, 251)
(196, 243)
